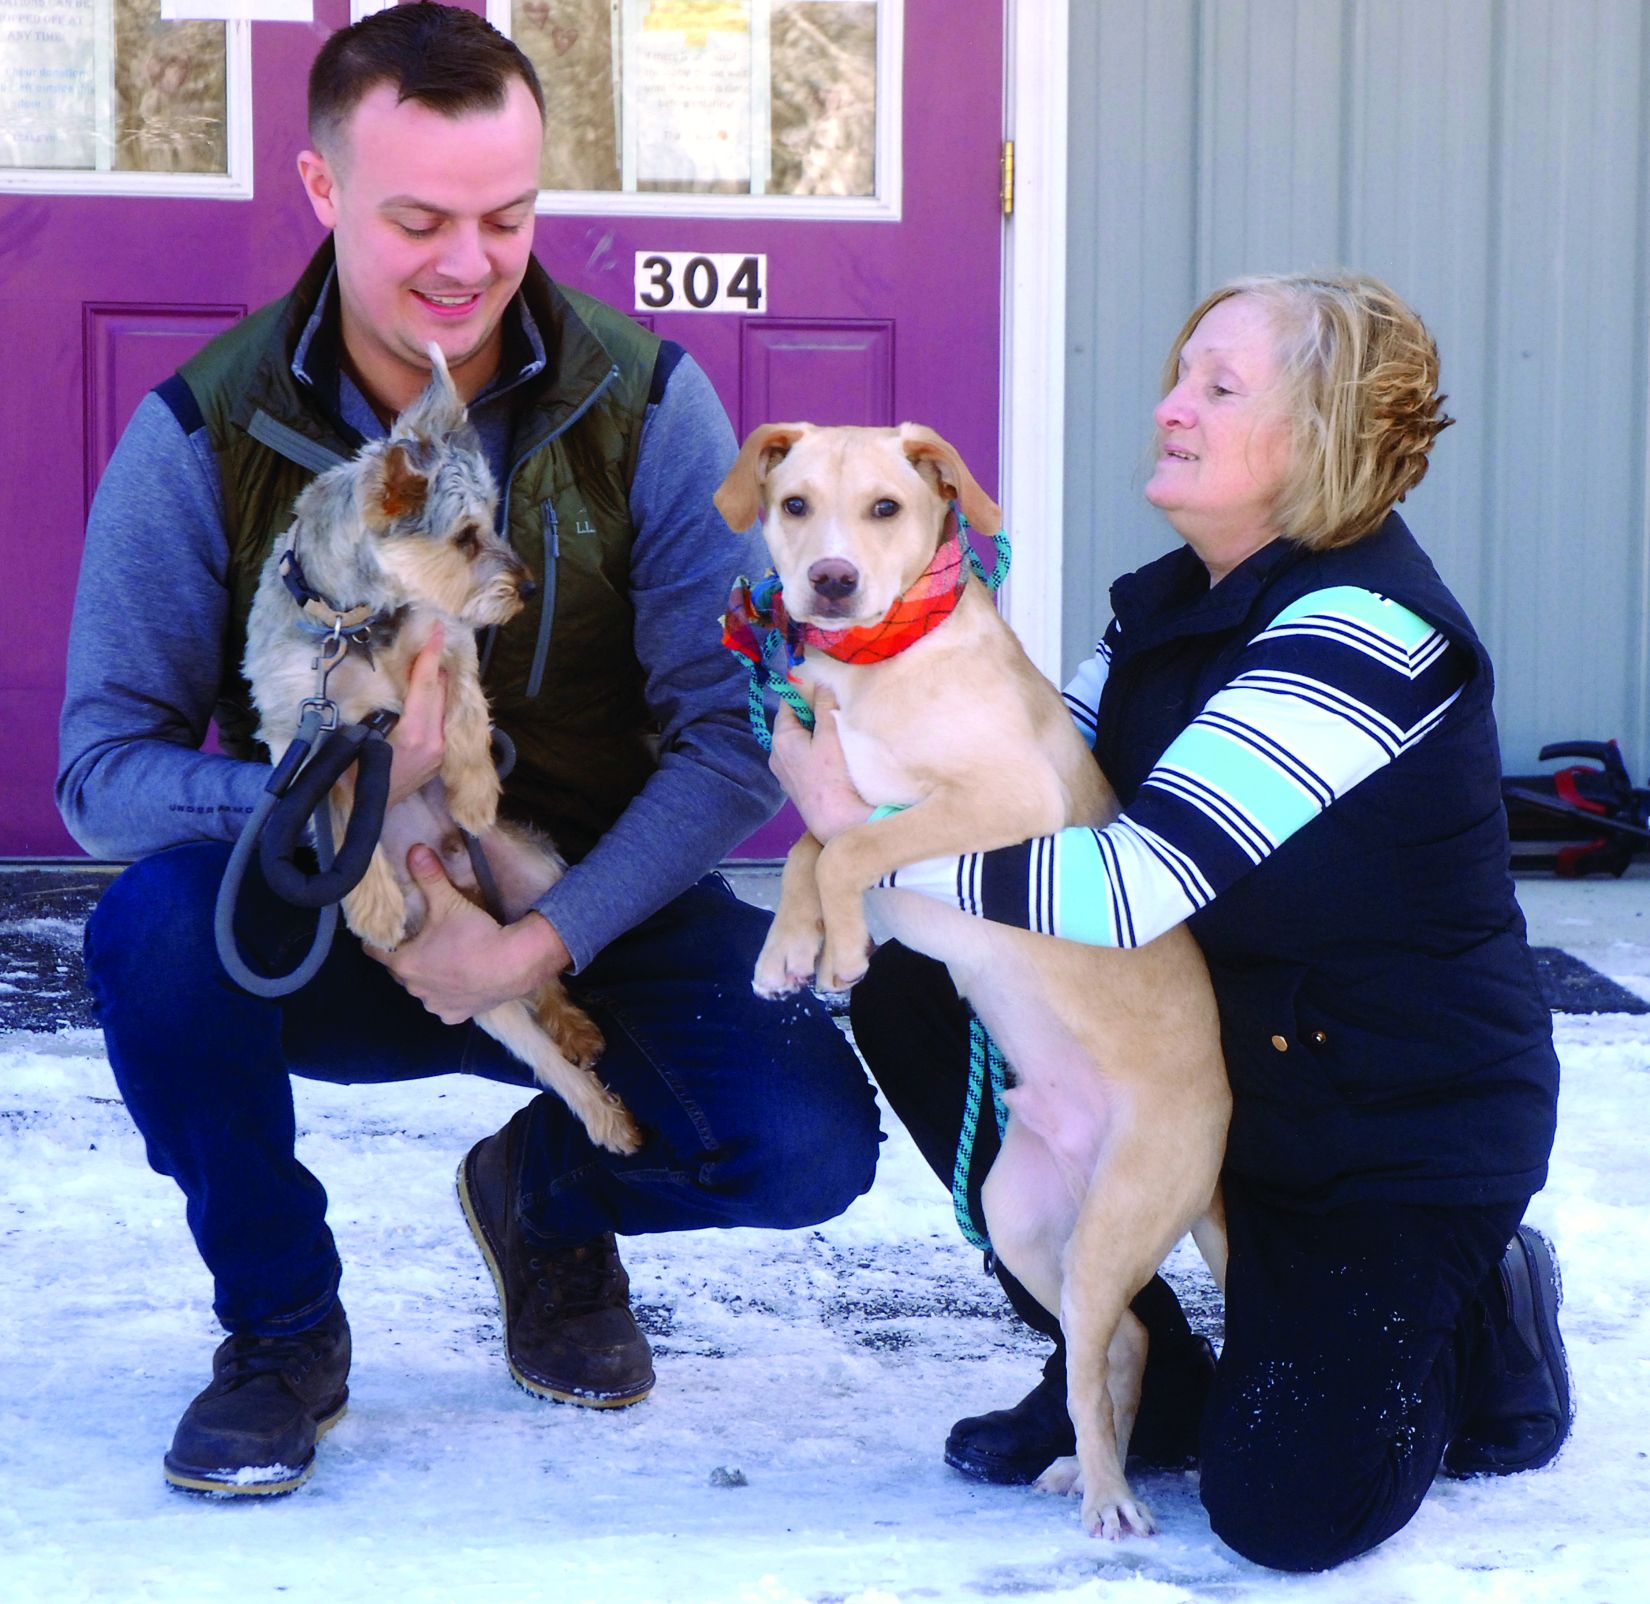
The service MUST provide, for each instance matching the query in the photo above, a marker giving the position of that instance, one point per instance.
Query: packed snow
(806, 1382)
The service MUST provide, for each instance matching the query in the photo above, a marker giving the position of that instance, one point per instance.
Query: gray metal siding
(1485, 158)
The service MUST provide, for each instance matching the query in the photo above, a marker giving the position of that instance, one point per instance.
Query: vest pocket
(1273, 1053)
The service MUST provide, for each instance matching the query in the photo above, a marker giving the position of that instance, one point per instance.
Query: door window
(716, 108)
(103, 97)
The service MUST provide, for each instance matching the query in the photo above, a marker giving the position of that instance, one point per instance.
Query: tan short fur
(1118, 1117)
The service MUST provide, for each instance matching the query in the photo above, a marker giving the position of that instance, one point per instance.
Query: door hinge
(1008, 178)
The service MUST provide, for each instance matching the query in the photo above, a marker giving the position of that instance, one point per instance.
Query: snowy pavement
(821, 1366)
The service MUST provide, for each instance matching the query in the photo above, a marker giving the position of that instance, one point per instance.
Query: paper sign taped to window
(237, 10)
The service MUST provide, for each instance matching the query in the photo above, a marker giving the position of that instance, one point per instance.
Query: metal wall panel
(1486, 157)
(1132, 275)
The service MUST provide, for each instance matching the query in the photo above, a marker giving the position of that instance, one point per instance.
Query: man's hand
(419, 740)
(814, 772)
(463, 962)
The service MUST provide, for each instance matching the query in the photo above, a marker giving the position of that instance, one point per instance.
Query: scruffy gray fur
(397, 542)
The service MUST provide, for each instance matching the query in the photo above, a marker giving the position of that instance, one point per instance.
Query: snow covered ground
(822, 1366)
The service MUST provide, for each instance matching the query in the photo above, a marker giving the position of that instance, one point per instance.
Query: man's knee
(152, 928)
(814, 1150)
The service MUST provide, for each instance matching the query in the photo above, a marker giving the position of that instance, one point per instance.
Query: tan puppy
(400, 540)
(1118, 1114)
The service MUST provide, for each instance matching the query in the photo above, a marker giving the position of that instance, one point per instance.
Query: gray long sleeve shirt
(146, 662)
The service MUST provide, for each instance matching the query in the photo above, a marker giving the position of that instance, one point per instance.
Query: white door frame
(1034, 324)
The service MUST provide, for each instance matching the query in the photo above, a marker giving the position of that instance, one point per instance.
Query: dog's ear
(740, 499)
(438, 411)
(938, 462)
(391, 488)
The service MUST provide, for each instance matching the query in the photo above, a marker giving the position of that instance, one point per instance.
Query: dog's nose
(528, 590)
(834, 578)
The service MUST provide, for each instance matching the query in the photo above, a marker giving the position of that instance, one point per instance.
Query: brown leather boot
(254, 1429)
(568, 1330)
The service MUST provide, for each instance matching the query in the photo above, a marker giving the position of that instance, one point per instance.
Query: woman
(1296, 715)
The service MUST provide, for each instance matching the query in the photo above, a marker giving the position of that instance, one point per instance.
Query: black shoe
(1180, 1369)
(254, 1429)
(568, 1330)
(1014, 1446)
(1525, 1413)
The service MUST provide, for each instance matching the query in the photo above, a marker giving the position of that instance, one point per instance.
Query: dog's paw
(786, 963)
(1112, 1515)
(840, 970)
(1064, 1476)
(611, 1126)
(579, 1037)
(773, 984)
(1113, 1518)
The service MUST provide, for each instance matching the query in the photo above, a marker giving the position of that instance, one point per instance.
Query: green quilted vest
(562, 676)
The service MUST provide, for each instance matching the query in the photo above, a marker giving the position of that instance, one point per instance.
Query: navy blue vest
(1383, 1027)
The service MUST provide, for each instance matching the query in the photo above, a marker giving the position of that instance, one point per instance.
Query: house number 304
(680, 281)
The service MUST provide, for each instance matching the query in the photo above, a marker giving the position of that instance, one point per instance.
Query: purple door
(864, 321)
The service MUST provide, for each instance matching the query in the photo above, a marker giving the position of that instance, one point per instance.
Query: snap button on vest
(1319, 1037)
(1281, 1043)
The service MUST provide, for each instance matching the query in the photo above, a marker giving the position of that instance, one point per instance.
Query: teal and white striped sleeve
(1082, 694)
(1336, 686)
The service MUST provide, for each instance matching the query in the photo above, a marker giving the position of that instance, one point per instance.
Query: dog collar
(321, 615)
(926, 603)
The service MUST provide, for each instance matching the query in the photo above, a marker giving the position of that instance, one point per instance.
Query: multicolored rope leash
(755, 627)
(985, 1064)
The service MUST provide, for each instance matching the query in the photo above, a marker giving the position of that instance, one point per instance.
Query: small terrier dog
(396, 541)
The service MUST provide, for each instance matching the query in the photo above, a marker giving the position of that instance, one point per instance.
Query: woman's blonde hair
(1360, 388)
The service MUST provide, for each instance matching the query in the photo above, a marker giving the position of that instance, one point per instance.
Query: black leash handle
(284, 835)
(376, 755)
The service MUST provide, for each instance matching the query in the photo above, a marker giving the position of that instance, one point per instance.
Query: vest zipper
(547, 597)
(567, 423)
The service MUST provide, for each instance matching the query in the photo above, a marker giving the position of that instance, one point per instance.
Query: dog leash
(757, 630)
(986, 1064)
(295, 799)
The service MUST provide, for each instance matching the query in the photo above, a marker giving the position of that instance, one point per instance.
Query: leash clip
(329, 654)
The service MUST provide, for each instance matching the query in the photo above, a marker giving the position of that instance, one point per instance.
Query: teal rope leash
(985, 1065)
(763, 680)
(998, 571)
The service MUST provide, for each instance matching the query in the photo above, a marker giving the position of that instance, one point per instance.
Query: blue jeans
(753, 1112)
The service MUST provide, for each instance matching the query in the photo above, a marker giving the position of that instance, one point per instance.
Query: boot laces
(576, 1280)
(246, 1357)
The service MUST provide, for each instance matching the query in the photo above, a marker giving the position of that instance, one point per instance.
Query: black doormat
(42, 914)
(1572, 987)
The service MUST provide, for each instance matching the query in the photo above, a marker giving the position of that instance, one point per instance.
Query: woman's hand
(419, 739)
(814, 772)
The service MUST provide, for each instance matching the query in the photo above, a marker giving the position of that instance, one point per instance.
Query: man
(426, 127)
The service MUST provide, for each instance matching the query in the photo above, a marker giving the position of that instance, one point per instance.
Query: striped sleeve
(1083, 693)
(1336, 686)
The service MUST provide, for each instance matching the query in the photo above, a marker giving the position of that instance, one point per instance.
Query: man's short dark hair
(444, 57)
